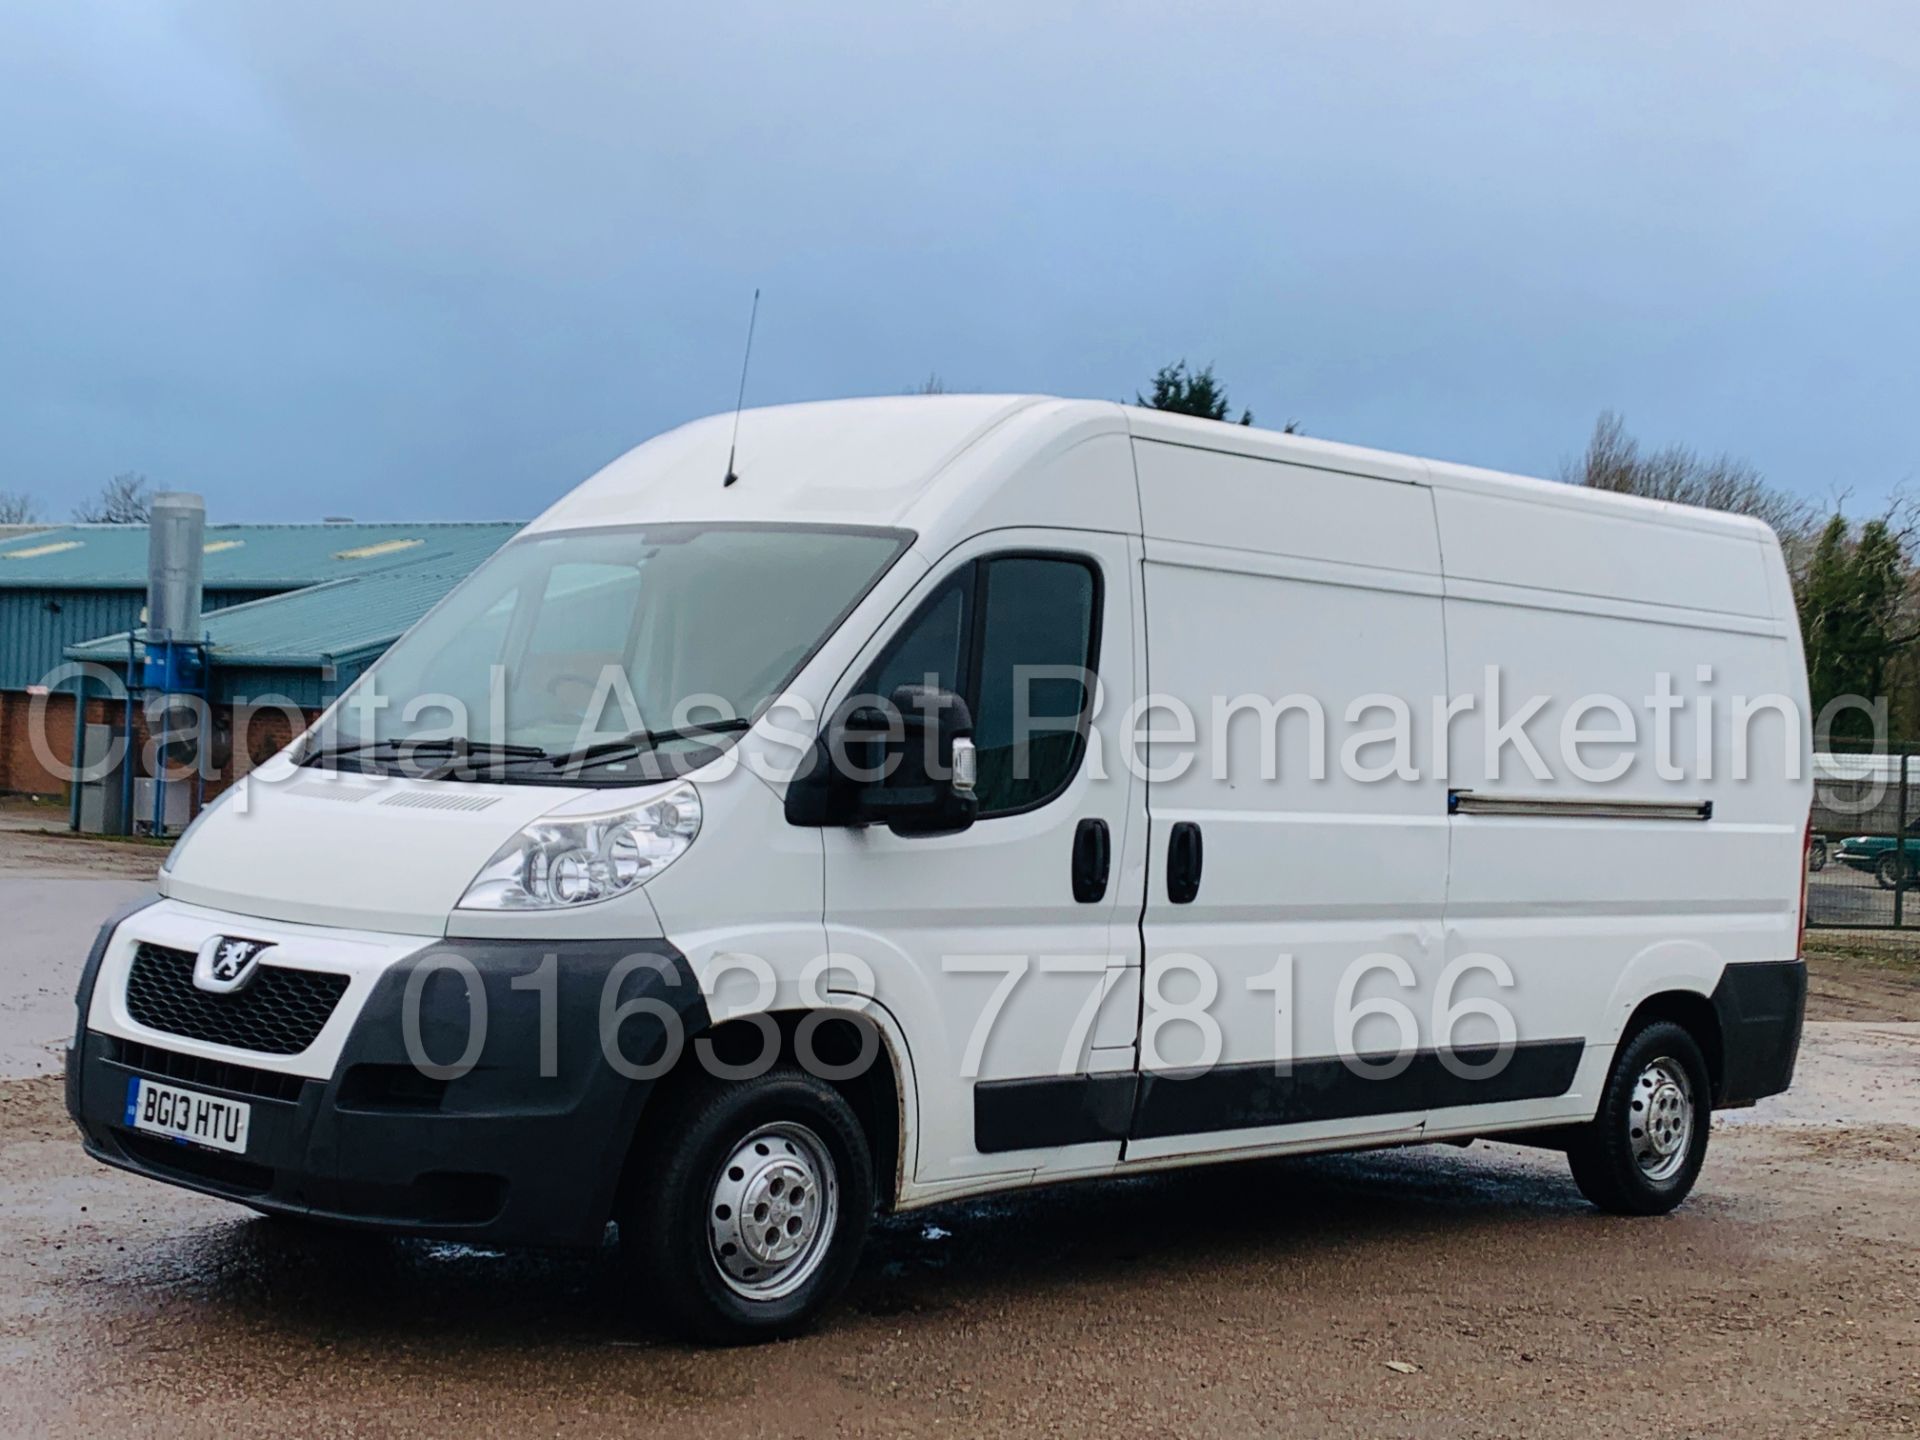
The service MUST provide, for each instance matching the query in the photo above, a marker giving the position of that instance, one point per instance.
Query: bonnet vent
(415, 800)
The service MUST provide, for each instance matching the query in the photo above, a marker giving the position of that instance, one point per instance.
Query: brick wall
(243, 737)
(254, 737)
(22, 771)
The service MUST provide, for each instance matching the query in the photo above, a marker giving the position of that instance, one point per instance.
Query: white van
(958, 794)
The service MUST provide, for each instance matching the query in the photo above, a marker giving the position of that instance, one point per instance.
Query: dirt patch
(44, 846)
(1863, 977)
(1431, 1291)
(34, 1109)
(30, 812)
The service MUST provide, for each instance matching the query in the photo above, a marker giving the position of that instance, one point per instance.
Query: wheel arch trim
(895, 1054)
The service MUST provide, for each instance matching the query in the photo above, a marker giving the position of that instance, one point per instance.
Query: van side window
(994, 629)
(1036, 654)
(931, 649)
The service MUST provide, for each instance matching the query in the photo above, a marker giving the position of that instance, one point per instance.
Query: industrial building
(291, 615)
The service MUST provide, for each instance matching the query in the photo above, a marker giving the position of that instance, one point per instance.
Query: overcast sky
(441, 259)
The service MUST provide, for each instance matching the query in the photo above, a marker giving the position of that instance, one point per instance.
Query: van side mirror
(908, 763)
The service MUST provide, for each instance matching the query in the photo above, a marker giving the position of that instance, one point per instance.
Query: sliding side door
(1293, 898)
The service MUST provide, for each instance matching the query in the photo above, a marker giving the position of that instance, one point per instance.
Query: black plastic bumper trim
(501, 1154)
(1078, 1109)
(83, 993)
(1762, 1008)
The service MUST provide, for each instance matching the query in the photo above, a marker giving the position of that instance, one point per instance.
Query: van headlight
(562, 860)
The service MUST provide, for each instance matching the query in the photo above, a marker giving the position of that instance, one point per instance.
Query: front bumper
(525, 1147)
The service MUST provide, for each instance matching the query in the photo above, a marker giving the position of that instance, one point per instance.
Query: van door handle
(1092, 860)
(1183, 863)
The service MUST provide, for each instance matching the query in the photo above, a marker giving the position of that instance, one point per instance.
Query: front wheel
(750, 1201)
(1893, 870)
(1817, 856)
(1641, 1154)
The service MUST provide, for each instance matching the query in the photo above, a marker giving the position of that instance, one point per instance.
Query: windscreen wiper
(456, 747)
(606, 752)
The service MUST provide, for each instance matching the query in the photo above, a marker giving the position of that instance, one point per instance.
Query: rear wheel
(1817, 856)
(1893, 870)
(750, 1203)
(1642, 1152)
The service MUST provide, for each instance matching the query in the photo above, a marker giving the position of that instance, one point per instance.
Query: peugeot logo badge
(226, 963)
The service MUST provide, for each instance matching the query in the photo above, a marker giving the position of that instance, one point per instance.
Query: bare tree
(1614, 461)
(17, 508)
(127, 499)
(932, 385)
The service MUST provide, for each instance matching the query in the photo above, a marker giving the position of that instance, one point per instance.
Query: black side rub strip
(1074, 1109)
(1051, 1110)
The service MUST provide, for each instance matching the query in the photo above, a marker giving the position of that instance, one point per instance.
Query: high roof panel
(830, 462)
(243, 557)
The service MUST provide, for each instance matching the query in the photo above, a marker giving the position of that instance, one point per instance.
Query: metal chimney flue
(176, 541)
(171, 673)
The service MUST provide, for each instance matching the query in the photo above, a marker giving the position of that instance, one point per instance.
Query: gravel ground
(1430, 1291)
(1855, 975)
(44, 853)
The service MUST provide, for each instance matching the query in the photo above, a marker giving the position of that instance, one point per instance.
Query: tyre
(749, 1204)
(1817, 856)
(1642, 1152)
(1892, 870)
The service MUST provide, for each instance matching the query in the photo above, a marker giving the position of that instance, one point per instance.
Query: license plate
(187, 1115)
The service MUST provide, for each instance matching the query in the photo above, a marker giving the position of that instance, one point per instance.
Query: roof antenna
(733, 446)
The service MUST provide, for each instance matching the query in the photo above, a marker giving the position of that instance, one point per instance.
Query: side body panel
(1637, 657)
(1279, 594)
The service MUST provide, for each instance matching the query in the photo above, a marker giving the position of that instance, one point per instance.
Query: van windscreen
(567, 638)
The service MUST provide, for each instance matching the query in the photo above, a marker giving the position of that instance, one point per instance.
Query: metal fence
(1865, 858)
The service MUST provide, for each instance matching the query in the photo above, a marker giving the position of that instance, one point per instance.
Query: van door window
(1031, 688)
(994, 629)
(931, 648)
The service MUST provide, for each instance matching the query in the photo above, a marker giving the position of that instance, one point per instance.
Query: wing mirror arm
(908, 763)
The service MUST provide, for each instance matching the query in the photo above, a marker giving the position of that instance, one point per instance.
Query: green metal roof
(243, 557)
(334, 621)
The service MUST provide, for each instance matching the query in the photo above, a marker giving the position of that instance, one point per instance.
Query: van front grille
(213, 1074)
(280, 1012)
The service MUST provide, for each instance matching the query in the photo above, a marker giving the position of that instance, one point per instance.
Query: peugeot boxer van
(957, 794)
